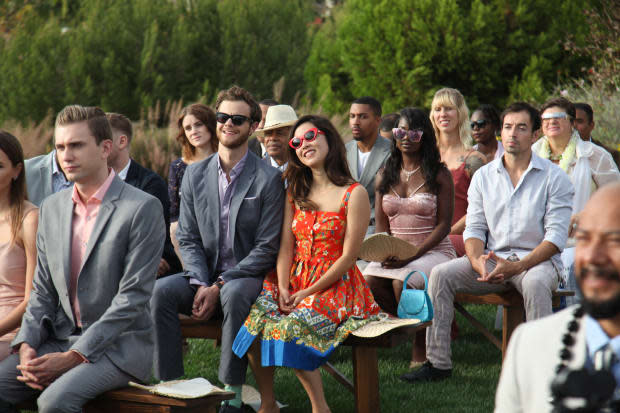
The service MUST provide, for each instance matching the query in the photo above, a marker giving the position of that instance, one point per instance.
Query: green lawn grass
(470, 389)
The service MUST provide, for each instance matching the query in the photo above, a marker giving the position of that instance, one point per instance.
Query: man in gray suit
(44, 177)
(538, 348)
(368, 150)
(229, 234)
(87, 327)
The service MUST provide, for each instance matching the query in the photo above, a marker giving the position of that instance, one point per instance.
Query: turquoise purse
(415, 303)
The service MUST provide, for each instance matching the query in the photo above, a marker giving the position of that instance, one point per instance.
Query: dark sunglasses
(309, 136)
(414, 135)
(237, 120)
(479, 123)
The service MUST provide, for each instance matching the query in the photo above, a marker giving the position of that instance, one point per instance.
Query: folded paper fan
(378, 247)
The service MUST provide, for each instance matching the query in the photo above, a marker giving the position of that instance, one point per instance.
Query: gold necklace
(408, 174)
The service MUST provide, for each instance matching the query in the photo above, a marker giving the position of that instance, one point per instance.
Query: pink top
(84, 218)
(12, 279)
(413, 218)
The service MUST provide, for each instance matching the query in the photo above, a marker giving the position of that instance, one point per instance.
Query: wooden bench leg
(366, 379)
(513, 316)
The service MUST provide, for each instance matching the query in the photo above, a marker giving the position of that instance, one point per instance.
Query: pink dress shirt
(84, 217)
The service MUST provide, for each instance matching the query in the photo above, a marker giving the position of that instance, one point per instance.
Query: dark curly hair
(431, 159)
(299, 176)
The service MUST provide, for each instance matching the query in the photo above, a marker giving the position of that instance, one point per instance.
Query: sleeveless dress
(12, 285)
(412, 219)
(305, 338)
(461, 185)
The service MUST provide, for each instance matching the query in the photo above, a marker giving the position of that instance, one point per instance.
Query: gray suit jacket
(115, 282)
(378, 154)
(529, 367)
(255, 220)
(39, 177)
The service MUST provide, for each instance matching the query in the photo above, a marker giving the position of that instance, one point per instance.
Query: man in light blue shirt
(517, 224)
(44, 177)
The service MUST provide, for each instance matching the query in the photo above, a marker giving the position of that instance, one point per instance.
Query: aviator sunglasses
(479, 123)
(309, 136)
(237, 120)
(414, 135)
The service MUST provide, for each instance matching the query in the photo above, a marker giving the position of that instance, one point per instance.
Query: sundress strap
(345, 198)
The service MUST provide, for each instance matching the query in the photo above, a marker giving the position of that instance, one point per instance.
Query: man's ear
(253, 127)
(106, 145)
(123, 142)
(536, 135)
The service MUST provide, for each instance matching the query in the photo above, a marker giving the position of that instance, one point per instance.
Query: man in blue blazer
(229, 235)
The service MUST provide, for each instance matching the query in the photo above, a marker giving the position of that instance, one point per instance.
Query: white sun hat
(279, 116)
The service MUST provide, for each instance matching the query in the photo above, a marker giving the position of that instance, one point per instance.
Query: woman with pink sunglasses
(316, 296)
(414, 201)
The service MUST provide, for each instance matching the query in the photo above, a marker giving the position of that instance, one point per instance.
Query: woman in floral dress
(316, 296)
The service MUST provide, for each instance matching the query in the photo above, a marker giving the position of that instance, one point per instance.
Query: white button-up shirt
(515, 220)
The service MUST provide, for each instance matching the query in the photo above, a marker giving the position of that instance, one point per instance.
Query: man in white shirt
(517, 225)
(368, 150)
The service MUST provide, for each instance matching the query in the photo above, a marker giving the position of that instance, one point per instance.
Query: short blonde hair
(95, 117)
(453, 98)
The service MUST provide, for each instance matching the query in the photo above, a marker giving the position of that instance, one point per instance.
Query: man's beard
(240, 140)
(609, 308)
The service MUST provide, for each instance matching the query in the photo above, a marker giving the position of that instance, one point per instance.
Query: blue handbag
(415, 303)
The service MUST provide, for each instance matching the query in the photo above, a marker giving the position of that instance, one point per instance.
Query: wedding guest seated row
(87, 327)
(517, 225)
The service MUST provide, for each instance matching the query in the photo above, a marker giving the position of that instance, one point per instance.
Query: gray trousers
(536, 285)
(69, 392)
(173, 295)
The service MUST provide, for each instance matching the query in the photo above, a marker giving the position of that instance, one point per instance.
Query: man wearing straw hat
(278, 123)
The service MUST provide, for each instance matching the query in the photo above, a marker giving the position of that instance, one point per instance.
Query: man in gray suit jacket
(44, 177)
(368, 150)
(535, 348)
(87, 327)
(229, 235)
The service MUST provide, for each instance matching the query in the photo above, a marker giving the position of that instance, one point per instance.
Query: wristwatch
(219, 283)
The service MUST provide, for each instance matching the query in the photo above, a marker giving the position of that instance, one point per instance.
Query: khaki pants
(536, 285)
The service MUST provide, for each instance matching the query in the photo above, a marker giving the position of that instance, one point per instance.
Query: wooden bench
(133, 400)
(365, 386)
(514, 312)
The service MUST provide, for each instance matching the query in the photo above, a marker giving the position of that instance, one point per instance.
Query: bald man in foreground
(582, 343)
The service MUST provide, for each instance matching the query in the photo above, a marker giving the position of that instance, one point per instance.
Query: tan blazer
(531, 359)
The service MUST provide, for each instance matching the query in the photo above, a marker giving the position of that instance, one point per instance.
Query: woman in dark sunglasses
(316, 296)
(413, 201)
(485, 129)
(196, 135)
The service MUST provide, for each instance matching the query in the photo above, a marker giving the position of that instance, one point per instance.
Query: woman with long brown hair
(18, 228)
(316, 296)
(198, 141)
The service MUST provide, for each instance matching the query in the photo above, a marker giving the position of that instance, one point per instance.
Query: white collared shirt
(123, 172)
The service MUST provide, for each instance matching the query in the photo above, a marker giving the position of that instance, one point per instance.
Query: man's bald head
(597, 256)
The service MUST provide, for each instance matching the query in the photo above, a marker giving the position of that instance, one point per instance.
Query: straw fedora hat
(279, 116)
(378, 247)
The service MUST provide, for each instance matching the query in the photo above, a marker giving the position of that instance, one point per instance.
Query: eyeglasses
(414, 135)
(554, 115)
(479, 123)
(309, 136)
(237, 120)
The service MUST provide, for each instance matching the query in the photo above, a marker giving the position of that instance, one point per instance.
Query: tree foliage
(401, 51)
(126, 56)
